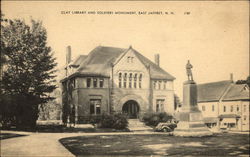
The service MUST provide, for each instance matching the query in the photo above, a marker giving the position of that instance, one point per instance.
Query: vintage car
(165, 127)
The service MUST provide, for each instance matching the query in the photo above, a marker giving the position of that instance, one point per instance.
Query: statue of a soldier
(189, 71)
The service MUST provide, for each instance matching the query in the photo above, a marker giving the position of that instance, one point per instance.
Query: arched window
(125, 80)
(120, 80)
(140, 78)
(130, 80)
(135, 80)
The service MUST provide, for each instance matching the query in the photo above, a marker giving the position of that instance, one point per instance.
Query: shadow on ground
(217, 145)
(63, 129)
(9, 135)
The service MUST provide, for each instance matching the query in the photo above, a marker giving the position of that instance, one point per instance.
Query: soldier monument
(190, 118)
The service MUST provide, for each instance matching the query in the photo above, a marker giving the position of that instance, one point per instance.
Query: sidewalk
(45, 144)
(34, 144)
(239, 132)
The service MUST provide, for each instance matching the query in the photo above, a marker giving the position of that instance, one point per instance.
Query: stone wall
(84, 94)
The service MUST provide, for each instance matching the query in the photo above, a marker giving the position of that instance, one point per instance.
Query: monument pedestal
(190, 118)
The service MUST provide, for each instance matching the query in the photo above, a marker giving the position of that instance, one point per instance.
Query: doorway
(131, 108)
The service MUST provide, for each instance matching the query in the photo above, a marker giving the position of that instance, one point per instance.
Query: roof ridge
(99, 59)
(120, 57)
(148, 60)
(109, 47)
(215, 82)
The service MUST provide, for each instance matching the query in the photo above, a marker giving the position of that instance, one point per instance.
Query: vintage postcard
(124, 78)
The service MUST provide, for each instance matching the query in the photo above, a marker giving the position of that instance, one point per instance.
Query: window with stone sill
(135, 80)
(224, 108)
(120, 80)
(95, 106)
(95, 82)
(160, 105)
(101, 82)
(88, 82)
(140, 79)
(130, 80)
(125, 80)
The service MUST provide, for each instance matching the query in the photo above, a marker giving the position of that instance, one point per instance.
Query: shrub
(115, 121)
(153, 119)
(89, 119)
(95, 119)
(120, 121)
(107, 121)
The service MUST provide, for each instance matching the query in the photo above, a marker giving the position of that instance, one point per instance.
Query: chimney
(231, 77)
(157, 59)
(68, 55)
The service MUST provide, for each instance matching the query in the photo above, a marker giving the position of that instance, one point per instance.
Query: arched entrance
(131, 107)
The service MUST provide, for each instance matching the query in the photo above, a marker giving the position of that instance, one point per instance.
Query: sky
(213, 35)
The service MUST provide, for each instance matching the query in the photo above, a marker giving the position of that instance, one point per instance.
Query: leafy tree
(247, 81)
(3, 59)
(52, 109)
(29, 74)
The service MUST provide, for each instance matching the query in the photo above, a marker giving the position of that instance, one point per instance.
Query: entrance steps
(136, 125)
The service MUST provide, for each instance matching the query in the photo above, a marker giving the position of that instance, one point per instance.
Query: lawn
(227, 144)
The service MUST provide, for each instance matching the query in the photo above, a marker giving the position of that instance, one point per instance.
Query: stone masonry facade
(122, 81)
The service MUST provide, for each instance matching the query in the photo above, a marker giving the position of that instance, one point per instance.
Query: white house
(225, 104)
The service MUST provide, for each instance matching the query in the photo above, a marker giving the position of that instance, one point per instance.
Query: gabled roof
(237, 92)
(100, 60)
(222, 91)
(212, 91)
(78, 60)
(156, 72)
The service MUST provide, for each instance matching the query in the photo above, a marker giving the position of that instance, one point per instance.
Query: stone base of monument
(191, 125)
(191, 122)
